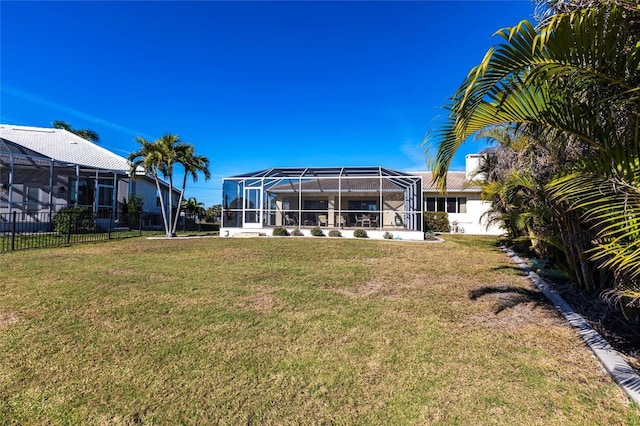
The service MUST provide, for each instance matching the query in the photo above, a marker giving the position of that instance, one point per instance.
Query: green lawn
(289, 331)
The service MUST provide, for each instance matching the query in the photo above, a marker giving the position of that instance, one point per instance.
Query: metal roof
(61, 145)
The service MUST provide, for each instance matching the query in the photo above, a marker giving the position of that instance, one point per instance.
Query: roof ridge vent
(33, 130)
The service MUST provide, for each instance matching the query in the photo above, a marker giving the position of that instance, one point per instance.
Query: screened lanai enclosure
(33, 188)
(376, 199)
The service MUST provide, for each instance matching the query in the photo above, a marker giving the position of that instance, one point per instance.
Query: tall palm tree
(572, 82)
(151, 160)
(192, 165)
(171, 149)
(157, 157)
(87, 134)
(161, 157)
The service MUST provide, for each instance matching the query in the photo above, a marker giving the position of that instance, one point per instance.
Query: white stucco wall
(473, 221)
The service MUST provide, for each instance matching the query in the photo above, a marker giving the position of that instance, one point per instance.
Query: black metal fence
(20, 231)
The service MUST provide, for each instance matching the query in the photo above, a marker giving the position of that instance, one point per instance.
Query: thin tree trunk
(575, 243)
(184, 185)
(169, 230)
(164, 214)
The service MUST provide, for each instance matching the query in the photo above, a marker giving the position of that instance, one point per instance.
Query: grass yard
(289, 331)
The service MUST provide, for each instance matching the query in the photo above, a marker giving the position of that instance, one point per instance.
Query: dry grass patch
(8, 318)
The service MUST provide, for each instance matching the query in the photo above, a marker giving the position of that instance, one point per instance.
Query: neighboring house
(376, 199)
(43, 170)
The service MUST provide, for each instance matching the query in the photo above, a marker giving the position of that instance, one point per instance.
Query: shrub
(335, 233)
(132, 208)
(77, 220)
(387, 236)
(297, 233)
(436, 221)
(279, 231)
(317, 232)
(360, 233)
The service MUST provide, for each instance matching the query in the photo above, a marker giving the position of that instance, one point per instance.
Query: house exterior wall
(146, 188)
(474, 220)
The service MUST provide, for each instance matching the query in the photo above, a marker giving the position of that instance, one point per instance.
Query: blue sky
(252, 85)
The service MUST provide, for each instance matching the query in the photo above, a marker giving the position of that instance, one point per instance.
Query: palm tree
(171, 149)
(519, 200)
(192, 164)
(573, 83)
(193, 207)
(151, 160)
(156, 157)
(161, 156)
(87, 134)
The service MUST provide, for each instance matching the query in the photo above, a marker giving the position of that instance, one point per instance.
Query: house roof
(61, 145)
(21, 156)
(456, 181)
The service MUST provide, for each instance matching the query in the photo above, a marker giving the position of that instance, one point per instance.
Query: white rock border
(618, 368)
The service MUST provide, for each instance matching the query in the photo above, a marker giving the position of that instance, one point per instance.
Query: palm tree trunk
(175, 222)
(164, 214)
(169, 222)
(575, 244)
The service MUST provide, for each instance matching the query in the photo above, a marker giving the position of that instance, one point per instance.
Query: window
(430, 204)
(366, 205)
(446, 204)
(317, 205)
(452, 205)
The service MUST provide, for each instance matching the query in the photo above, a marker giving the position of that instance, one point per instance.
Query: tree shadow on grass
(510, 297)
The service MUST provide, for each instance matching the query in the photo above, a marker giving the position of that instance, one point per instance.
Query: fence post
(70, 218)
(140, 224)
(110, 219)
(13, 231)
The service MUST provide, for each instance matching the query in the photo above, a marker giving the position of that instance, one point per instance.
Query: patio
(376, 199)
